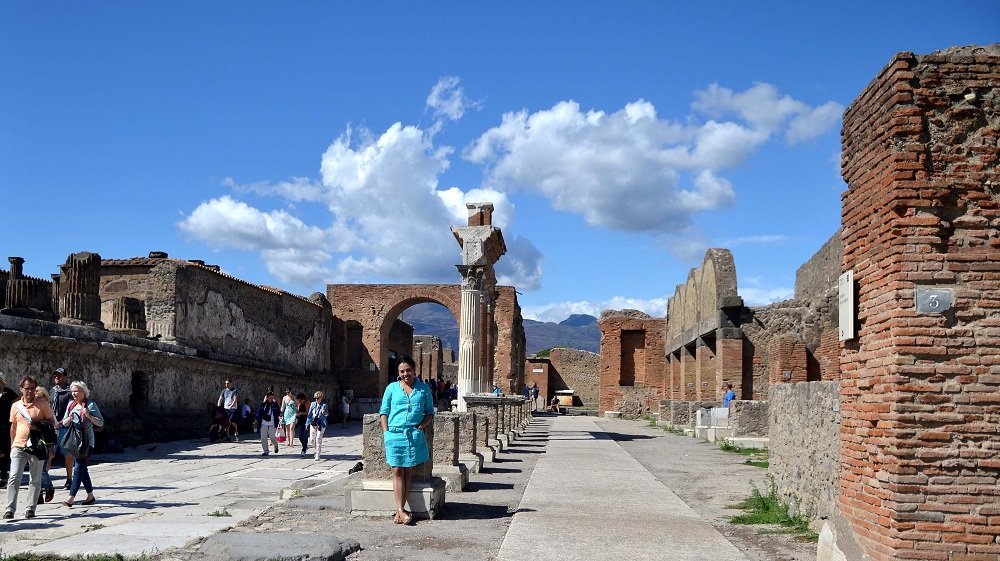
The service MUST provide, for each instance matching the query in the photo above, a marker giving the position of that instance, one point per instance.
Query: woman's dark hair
(408, 360)
(301, 396)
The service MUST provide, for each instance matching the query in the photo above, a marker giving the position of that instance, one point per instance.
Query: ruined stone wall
(508, 362)
(3, 287)
(428, 356)
(633, 364)
(820, 273)
(576, 370)
(138, 383)
(197, 306)
(920, 392)
(400, 344)
(805, 445)
(226, 318)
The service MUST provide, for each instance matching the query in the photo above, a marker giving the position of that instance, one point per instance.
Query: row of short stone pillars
(72, 297)
(460, 443)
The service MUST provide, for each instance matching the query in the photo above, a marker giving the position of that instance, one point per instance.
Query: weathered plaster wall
(572, 369)
(138, 383)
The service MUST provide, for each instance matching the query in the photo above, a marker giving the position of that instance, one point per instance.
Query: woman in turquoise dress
(407, 409)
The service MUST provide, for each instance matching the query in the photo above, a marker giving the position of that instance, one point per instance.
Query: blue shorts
(233, 414)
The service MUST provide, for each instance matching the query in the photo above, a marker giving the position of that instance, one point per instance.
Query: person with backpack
(59, 397)
(268, 417)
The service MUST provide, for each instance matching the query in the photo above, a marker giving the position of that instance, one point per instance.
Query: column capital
(472, 276)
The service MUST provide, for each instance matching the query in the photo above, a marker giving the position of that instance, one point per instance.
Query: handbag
(74, 442)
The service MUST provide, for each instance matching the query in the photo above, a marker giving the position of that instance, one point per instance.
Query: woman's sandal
(68, 503)
(408, 520)
(396, 519)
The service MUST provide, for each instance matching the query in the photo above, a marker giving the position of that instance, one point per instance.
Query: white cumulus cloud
(447, 99)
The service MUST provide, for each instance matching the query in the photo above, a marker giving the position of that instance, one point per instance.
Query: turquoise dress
(405, 445)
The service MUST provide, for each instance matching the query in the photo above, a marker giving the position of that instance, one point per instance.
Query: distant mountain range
(578, 331)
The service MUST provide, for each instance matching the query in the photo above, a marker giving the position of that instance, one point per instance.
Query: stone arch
(376, 306)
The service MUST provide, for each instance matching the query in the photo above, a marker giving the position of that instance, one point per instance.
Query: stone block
(456, 477)
(445, 450)
(375, 498)
(373, 452)
(748, 418)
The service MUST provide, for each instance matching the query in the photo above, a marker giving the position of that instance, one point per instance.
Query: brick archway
(376, 306)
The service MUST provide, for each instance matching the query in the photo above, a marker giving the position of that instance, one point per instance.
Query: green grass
(768, 509)
(93, 527)
(727, 446)
(758, 463)
(219, 512)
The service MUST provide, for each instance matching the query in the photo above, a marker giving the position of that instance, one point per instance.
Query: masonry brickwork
(633, 366)
(364, 314)
(920, 392)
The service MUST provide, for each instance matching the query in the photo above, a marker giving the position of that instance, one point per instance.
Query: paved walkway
(569, 488)
(588, 498)
(162, 496)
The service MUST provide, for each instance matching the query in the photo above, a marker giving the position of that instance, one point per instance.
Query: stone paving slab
(160, 496)
(589, 499)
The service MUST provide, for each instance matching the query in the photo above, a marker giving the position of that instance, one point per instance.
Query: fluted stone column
(128, 316)
(469, 378)
(27, 296)
(79, 290)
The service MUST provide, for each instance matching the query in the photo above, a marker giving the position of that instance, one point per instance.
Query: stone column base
(456, 478)
(504, 440)
(374, 498)
(472, 462)
(488, 452)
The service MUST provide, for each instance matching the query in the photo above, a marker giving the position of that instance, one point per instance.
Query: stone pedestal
(445, 453)
(467, 453)
(487, 406)
(372, 494)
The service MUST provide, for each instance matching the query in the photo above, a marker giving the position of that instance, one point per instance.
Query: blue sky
(300, 144)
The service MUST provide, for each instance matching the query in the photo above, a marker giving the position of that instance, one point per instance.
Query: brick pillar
(920, 386)
(687, 374)
(705, 384)
(676, 377)
(788, 360)
(729, 364)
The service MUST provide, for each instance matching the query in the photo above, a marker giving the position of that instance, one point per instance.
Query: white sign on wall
(845, 291)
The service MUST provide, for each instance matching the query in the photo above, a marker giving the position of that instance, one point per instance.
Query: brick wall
(633, 365)
(536, 371)
(921, 391)
(788, 361)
